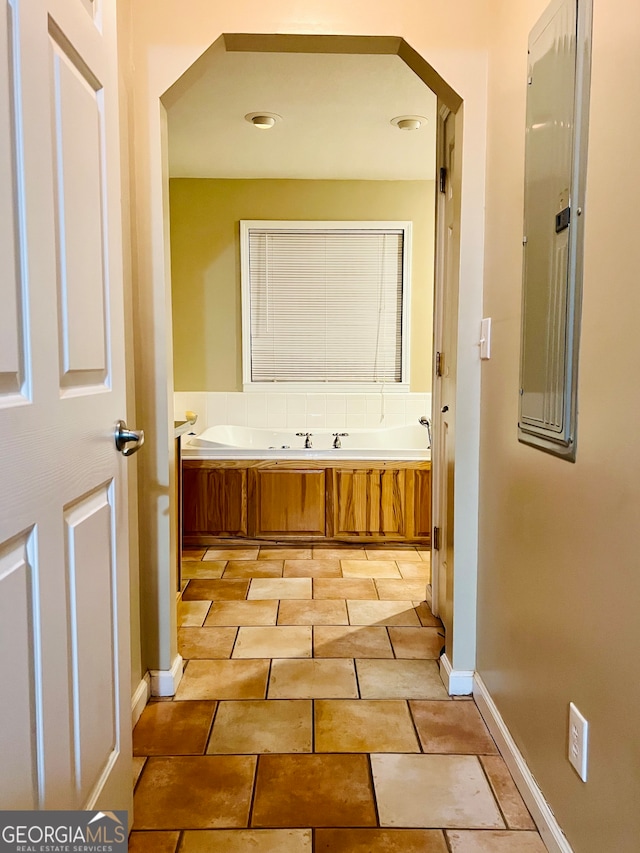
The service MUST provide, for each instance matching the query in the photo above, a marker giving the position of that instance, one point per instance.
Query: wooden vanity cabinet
(369, 503)
(214, 500)
(285, 503)
(265, 499)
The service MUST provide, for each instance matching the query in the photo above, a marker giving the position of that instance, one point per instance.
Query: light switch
(485, 338)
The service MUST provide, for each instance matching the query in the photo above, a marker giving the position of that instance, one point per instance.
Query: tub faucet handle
(307, 439)
(337, 436)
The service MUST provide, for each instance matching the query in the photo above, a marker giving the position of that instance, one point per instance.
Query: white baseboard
(164, 682)
(140, 698)
(544, 818)
(459, 682)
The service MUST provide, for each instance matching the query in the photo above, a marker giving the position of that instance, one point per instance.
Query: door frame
(164, 79)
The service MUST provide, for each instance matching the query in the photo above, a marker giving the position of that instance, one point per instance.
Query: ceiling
(335, 108)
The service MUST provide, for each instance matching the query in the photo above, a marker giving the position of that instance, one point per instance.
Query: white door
(445, 343)
(65, 713)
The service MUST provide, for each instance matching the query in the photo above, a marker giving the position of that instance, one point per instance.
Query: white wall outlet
(578, 741)
(485, 338)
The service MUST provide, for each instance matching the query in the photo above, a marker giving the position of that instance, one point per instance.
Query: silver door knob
(124, 435)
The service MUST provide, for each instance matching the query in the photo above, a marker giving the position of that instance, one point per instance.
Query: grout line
(179, 845)
(213, 719)
(447, 842)
(253, 792)
(415, 728)
(373, 789)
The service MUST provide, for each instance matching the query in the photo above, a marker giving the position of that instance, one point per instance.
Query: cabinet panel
(422, 504)
(288, 502)
(214, 501)
(369, 502)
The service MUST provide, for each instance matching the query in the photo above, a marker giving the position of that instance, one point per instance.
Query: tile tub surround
(298, 729)
(302, 411)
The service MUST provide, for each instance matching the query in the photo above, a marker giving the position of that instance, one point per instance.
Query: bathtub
(235, 442)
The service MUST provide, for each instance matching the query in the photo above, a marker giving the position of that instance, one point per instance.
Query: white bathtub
(234, 442)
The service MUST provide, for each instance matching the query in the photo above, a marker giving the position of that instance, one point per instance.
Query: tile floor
(311, 716)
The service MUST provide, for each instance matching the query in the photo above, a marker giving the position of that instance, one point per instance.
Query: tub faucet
(307, 439)
(425, 422)
(336, 439)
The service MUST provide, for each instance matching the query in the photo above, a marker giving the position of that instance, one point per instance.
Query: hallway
(311, 716)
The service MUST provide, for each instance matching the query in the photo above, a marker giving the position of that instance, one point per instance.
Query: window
(325, 303)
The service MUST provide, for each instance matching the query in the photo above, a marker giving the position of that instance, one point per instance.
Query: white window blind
(326, 304)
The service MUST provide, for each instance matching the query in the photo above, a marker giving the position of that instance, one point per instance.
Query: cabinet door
(422, 504)
(288, 503)
(214, 501)
(369, 503)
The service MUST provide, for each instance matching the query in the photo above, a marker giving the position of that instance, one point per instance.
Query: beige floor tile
(193, 553)
(271, 725)
(416, 643)
(408, 555)
(380, 841)
(433, 791)
(330, 552)
(173, 728)
(254, 569)
(206, 643)
(215, 590)
(390, 589)
(224, 679)
(280, 588)
(370, 569)
(313, 612)
(285, 553)
(400, 679)
(192, 613)
(138, 766)
(470, 841)
(231, 554)
(242, 613)
(426, 616)
(313, 790)
(382, 613)
(280, 642)
(313, 679)
(414, 571)
(153, 842)
(195, 792)
(504, 789)
(425, 555)
(204, 570)
(244, 840)
(312, 569)
(364, 725)
(452, 727)
(361, 588)
(352, 641)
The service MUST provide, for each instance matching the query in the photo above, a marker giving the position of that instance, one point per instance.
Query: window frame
(311, 387)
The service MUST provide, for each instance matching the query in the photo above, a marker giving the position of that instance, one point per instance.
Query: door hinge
(439, 363)
(436, 539)
(443, 179)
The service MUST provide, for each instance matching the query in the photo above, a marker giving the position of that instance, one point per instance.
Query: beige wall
(205, 262)
(559, 575)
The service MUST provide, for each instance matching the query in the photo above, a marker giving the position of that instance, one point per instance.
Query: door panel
(89, 531)
(18, 708)
(289, 502)
(11, 335)
(369, 503)
(64, 611)
(77, 107)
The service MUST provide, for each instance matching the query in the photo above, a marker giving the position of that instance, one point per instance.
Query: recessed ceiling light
(408, 122)
(263, 120)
